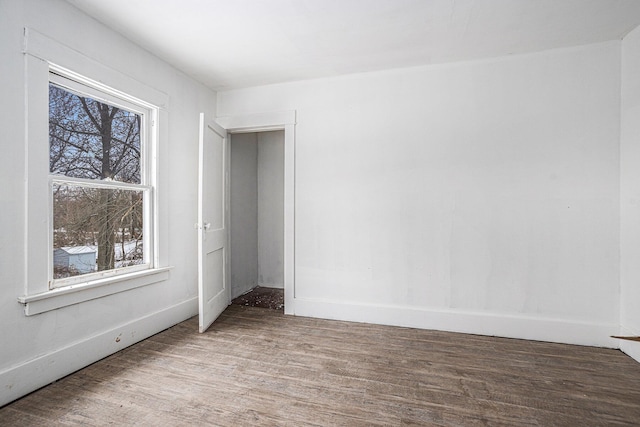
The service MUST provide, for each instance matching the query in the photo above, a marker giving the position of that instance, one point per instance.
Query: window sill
(74, 294)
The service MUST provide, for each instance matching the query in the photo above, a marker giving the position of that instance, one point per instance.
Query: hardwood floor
(256, 366)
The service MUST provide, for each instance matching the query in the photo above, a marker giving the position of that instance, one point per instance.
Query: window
(79, 199)
(100, 182)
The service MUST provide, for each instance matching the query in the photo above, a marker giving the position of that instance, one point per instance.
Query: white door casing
(268, 121)
(213, 271)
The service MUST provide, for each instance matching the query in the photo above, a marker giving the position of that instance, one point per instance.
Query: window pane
(91, 139)
(95, 229)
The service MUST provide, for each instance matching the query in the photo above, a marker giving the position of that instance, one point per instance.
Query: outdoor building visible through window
(98, 187)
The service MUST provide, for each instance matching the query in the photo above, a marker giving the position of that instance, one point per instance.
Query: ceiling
(229, 44)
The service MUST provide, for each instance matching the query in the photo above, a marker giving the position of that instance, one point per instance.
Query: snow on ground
(129, 248)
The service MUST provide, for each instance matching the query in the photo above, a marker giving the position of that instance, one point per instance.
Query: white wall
(630, 193)
(41, 348)
(479, 197)
(243, 212)
(271, 209)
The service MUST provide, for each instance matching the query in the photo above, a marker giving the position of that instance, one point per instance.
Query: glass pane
(91, 139)
(95, 229)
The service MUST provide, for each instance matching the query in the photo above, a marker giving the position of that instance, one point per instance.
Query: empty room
(320, 212)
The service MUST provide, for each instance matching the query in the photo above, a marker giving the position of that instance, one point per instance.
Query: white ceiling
(229, 44)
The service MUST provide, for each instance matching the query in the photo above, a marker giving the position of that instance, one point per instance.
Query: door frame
(264, 122)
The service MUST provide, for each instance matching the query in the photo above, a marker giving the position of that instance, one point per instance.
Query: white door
(213, 286)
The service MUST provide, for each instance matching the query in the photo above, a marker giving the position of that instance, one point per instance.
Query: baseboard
(492, 324)
(630, 348)
(20, 380)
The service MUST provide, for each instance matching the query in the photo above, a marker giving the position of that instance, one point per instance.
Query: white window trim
(83, 86)
(92, 289)
(42, 54)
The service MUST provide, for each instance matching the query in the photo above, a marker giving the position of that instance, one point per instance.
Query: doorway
(256, 215)
(265, 122)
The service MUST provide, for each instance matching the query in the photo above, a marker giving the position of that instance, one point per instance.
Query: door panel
(214, 178)
(215, 262)
(213, 288)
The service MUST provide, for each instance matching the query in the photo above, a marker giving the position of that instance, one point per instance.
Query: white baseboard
(491, 324)
(20, 380)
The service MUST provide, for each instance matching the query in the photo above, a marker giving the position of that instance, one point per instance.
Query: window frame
(41, 54)
(85, 87)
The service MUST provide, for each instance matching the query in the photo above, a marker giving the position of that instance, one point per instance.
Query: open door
(213, 286)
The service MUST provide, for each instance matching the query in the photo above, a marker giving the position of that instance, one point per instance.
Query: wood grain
(256, 366)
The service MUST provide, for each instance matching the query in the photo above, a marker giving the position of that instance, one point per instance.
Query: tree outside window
(97, 181)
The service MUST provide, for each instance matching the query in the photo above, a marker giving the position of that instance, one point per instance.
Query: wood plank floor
(256, 366)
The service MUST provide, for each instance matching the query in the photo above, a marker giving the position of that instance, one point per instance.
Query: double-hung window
(96, 220)
(100, 182)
